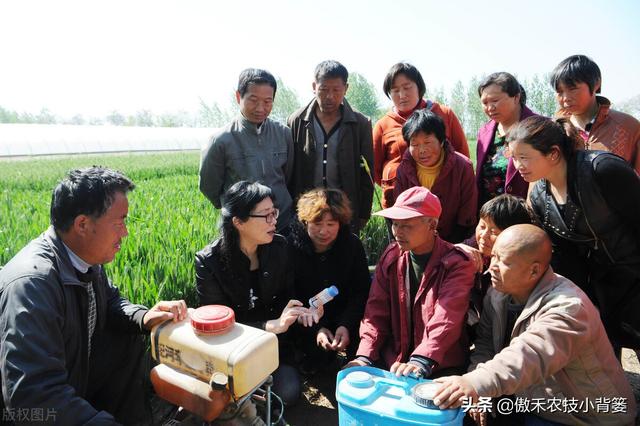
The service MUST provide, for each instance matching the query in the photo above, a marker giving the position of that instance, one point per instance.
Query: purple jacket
(513, 184)
(454, 187)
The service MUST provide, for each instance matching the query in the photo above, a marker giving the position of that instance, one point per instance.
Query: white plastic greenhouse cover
(49, 139)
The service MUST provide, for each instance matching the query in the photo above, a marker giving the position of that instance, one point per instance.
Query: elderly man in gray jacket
(541, 339)
(252, 147)
(70, 346)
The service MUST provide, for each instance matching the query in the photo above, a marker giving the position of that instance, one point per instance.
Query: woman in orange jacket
(405, 87)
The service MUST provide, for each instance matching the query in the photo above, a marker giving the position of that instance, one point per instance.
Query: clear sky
(92, 57)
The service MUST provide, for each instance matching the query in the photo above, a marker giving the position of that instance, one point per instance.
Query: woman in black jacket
(589, 204)
(248, 269)
(326, 253)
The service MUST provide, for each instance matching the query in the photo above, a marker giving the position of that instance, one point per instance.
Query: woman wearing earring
(589, 203)
(405, 87)
(504, 102)
(248, 269)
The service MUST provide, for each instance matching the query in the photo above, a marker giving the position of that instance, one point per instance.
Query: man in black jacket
(70, 345)
(332, 142)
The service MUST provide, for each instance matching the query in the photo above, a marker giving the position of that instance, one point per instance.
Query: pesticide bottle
(323, 297)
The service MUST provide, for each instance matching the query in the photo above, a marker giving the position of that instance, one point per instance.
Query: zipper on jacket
(586, 219)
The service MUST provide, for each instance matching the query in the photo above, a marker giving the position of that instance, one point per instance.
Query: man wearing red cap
(414, 322)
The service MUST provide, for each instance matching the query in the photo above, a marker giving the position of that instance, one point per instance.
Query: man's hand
(405, 368)
(175, 310)
(480, 417)
(452, 392)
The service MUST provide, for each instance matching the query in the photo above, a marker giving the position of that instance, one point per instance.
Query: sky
(93, 57)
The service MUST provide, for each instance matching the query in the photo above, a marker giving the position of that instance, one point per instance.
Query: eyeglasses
(269, 217)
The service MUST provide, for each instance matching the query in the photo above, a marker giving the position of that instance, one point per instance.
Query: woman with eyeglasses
(248, 269)
(504, 101)
(589, 204)
(325, 252)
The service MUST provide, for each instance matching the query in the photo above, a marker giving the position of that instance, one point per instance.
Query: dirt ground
(319, 407)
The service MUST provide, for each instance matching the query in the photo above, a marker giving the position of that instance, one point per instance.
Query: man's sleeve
(32, 355)
(443, 329)
(483, 345)
(212, 167)
(288, 167)
(366, 183)
(376, 323)
(542, 350)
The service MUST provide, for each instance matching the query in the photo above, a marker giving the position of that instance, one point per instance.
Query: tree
(540, 95)
(475, 115)
(144, 118)
(213, 115)
(362, 95)
(8, 116)
(46, 117)
(115, 118)
(458, 102)
(285, 103)
(630, 106)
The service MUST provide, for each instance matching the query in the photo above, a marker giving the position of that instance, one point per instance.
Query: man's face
(415, 234)
(257, 102)
(102, 236)
(330, 94)
(510, 273)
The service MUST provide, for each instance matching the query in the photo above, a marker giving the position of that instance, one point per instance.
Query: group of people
(520, 280)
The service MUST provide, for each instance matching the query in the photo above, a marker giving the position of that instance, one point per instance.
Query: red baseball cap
(414, 202)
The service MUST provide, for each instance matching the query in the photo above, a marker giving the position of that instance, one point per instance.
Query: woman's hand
(290, 314)
(324, 338)
(474, 254)
(313, 317)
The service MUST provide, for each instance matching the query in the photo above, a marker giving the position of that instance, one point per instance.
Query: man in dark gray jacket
(333, 143)
(70, 346)
(252, 147)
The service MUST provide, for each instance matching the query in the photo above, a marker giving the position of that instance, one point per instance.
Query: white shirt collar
(76, 261)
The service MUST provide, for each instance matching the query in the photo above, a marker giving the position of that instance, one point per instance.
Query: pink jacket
(559, 349)
(454, 186)
(439, 309)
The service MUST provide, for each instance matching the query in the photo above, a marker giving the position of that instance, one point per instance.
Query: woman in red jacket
(405, 87)
(432, 163)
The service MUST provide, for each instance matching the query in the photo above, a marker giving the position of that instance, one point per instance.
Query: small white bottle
(323, 297)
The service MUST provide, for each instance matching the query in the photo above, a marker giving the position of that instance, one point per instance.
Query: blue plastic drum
(373, 397)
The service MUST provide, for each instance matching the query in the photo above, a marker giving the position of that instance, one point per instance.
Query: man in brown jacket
(332, 142)
(541, 340)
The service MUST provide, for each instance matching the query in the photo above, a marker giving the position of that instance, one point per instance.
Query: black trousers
(119, 377)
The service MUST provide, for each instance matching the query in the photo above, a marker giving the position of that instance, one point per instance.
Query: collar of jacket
(65, 267)
(347, 112)
(604, 105)
(544, 285)
(299, 238)
(439, 255)
(250, 127)
(447, 165)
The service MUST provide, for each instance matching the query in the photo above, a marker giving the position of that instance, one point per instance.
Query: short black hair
(506, 210)
(577, 69)
(255, 76)
(424, 121)
(88, 191)
(410, 72)
(238, 201)
(507, 82)
(331, 69)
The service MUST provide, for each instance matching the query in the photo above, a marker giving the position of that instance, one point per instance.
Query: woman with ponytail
(589, 204)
